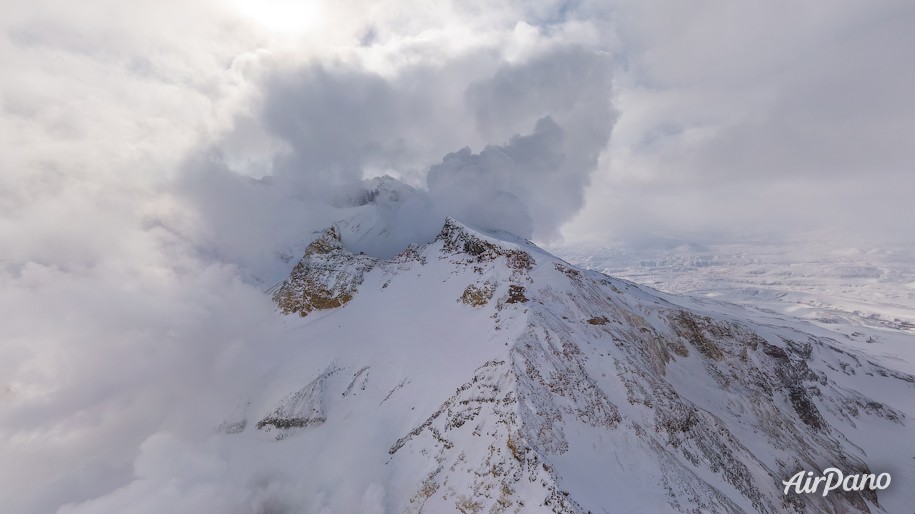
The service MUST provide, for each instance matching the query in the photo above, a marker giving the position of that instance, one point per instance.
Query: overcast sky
(153, 153)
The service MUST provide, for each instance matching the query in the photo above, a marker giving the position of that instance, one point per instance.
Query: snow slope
(479, 373)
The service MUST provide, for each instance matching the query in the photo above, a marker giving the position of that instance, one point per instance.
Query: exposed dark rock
(516, 294)
(599, 320)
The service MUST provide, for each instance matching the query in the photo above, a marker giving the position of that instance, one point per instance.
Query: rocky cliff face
(485, 375)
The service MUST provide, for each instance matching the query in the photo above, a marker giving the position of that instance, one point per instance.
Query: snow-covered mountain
(478, 373)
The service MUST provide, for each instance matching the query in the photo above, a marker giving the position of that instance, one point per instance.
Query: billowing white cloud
(540, 124)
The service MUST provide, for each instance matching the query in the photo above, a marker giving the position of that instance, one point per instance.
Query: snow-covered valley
(866, 295)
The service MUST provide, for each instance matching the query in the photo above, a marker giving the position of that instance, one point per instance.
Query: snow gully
(805, 482)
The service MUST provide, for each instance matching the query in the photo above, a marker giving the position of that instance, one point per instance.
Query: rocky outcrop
(326, 277)
(457, 239)
(300, 409)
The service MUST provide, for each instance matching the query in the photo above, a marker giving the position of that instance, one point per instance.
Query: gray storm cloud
(335, 121)
(536, 181)
(496, 188)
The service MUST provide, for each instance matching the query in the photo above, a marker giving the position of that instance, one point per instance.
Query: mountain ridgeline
(478, 373)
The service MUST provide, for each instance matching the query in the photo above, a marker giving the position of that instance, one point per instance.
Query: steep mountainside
(478, 373)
